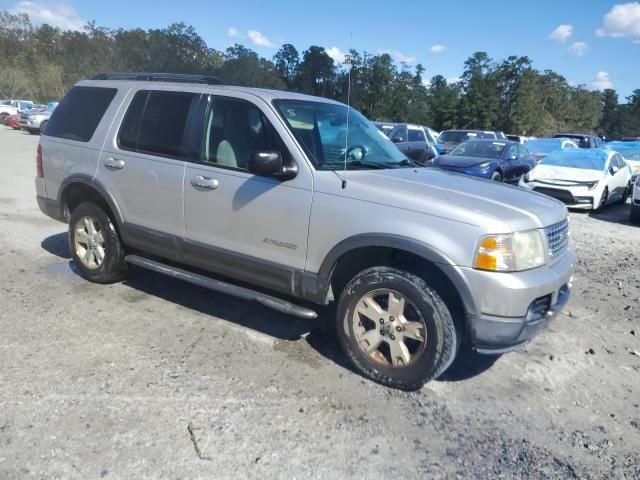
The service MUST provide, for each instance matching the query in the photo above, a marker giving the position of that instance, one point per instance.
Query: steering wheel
(356, 152)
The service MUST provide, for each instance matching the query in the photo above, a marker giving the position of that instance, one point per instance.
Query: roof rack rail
(159, 77)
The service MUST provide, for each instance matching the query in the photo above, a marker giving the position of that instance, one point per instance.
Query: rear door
(511, 164)
(400, 136)
(418, 144)
(249, 227)
(142, 166)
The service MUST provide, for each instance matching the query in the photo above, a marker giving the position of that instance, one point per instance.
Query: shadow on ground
(319, 333)
(616, 213)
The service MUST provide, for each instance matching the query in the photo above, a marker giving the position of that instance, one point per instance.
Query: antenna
(346, 138)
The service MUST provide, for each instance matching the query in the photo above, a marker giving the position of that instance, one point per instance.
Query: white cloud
(61, 15)
(623, 20)
(561, 33)
(337, 54)
(452, 80)
(437, 48)
(579, 48)
(259, 39)
(233, 32)
(399, 56)
(601, 81)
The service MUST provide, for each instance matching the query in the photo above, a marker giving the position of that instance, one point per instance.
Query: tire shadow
(468, 364)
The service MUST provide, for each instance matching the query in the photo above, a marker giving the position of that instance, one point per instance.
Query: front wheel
(603, 200)
(496, 177)
(95, 245)
(43, 125)
(395, 328)
(634, 215)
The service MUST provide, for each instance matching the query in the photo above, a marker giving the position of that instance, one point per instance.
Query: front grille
(557, 237)
(563, 195)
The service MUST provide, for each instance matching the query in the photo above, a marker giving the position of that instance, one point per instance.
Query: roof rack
(159, 77)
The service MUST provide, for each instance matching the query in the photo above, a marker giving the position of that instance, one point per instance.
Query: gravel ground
(153, 378)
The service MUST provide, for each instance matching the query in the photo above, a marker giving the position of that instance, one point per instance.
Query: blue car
(498, 160)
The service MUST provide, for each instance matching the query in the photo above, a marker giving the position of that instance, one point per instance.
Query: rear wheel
(496, 177)
(395, 328)
(95, 245)
(625, 195)
(3, 116)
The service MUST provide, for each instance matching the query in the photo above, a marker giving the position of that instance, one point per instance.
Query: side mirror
(269, 163)
(513, 157)
(613, 170)
(396, 139)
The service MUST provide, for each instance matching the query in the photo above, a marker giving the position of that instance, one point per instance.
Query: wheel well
(77, 193)
(354, 261)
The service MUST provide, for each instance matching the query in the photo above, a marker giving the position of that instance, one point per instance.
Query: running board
(223, 287)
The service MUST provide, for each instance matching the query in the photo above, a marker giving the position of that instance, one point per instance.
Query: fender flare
(94, 184)
(452, 271)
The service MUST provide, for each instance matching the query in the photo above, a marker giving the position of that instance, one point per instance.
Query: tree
(481, 96)
(316, 72)
(609, 125)
(287, 61)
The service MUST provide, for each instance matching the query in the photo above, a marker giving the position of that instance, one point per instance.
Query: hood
(494, 207)
(562, 175)
(461, 161)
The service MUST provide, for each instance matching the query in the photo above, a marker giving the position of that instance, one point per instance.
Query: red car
(13, 121)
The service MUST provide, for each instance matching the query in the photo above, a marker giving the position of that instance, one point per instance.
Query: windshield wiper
(410, 162)
(359, 163)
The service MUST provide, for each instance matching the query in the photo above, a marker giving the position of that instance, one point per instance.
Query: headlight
(512, 252)
(482, 166)
(592, 185)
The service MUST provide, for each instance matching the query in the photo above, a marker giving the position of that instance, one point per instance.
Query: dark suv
(412, 140)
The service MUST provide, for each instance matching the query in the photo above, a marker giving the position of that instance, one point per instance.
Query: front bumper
(515, 306)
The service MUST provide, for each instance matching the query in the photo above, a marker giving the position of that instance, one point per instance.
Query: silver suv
(301, 197)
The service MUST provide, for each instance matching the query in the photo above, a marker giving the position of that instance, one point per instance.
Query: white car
(635, 202)
(582, 178)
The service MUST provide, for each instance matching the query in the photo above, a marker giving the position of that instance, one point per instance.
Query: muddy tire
(95, 245)
(395, 328)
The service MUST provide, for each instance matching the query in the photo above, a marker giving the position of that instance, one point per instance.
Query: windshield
(570, 159)
(455, 137)
(321, 129)
(544, 146)
(479, 149)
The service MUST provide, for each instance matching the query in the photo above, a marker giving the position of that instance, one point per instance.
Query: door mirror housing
(513, 157)
(396, 139)
(269, 163)
(613, 169)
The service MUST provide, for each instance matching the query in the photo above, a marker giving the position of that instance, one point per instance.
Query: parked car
(249, 184)
(584, 179)
(13, 121)
(450, 139)
(634, 215)
(498, 160)
(582, 140)
(630, 151)
(413, 142)
(384, 127)
(541, 147)
(12, 107)
(35, 120)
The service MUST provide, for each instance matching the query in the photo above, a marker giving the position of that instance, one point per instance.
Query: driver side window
(233, 130)
(512, 152)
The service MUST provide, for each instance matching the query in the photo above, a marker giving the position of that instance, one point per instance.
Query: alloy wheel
(389, 328)
(89, 242)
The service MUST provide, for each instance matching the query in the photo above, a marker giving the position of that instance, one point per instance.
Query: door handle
(114, 163)
(205, 182)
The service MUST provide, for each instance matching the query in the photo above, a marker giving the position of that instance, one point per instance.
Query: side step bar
(223, 287)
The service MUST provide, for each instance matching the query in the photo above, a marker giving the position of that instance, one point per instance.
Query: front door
(245, 226)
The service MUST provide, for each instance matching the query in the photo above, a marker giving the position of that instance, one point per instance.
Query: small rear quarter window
(79, 113)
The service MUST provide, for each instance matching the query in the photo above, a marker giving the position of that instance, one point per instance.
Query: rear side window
(401, 132)
(155, 123)
(79, 113)
(416, 135)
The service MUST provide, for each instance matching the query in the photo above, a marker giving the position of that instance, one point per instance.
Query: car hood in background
(493, 206)
(460, 161)
(562, 175)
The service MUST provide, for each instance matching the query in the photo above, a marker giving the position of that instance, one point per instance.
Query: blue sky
(596, 42)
